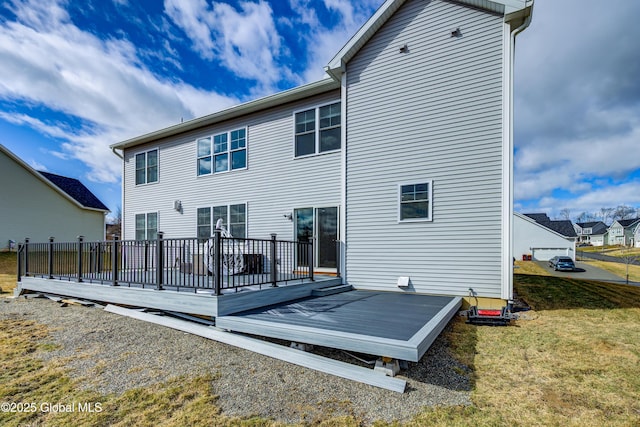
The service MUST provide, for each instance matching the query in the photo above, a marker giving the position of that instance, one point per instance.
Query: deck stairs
(331, 290)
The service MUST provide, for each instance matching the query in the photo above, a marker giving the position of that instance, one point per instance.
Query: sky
(78, 76)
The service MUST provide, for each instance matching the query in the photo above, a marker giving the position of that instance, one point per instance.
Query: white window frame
(146, 166)
(146, 225)
(227, 222)
(429, 218)
(229, 152)
(316, 131)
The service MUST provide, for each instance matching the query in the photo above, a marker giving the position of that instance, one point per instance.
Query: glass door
(320, 224)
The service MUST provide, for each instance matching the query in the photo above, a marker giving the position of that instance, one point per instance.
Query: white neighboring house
(402, 155)
(538, 236)
(39, 205)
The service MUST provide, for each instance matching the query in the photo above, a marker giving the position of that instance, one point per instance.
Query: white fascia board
(280, 98)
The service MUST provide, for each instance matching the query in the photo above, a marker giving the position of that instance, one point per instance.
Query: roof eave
(279, 98)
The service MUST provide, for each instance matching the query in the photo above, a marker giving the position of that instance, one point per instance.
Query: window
(147, 167)
(318, 130)
(147, 226)
(234, 219)
(415, 202)
(222, 152)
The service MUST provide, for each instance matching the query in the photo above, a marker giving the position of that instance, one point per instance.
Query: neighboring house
(542, 238)
(39, 205)
(623, 232)
(402, 157)
(592, 233)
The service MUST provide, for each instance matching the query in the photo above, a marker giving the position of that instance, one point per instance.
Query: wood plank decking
(393, 324)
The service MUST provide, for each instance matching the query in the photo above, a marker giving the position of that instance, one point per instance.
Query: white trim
(506, 287)
(343, 180)
(316, 109)
(212, 220)
(314, 232)
(429, 182)
(146, 229)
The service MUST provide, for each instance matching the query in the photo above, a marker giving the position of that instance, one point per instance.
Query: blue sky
(76, 77)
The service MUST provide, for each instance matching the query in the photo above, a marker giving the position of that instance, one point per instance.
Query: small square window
(415, 202)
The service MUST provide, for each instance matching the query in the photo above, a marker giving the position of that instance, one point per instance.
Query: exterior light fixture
(456, 33)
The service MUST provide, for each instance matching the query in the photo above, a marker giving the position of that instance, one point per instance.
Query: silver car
(562, 263)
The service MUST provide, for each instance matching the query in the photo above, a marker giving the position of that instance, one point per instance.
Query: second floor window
(147, 167)
(318, 130)
(222, 152)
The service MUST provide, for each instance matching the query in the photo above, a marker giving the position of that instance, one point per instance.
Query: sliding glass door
(320, 224)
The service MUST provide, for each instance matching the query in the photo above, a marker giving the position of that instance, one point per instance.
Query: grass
(572, 362)
(8, 266)
(619, 269)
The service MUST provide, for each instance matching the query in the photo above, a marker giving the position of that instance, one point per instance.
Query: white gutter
(507, 293)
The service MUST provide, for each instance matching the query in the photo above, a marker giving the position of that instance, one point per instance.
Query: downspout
(113, 149)
(509, 256)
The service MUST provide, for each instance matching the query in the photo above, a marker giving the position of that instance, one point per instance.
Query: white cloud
(46, 61)
(577, 102)
(245, 41)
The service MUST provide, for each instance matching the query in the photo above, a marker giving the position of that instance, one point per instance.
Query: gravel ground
(110, 353)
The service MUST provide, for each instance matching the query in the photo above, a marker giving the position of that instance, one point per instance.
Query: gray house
(623, 231)
(398, 165)
(39, 205)
(592, 233)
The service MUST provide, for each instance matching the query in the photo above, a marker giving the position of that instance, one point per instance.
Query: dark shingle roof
(538, 217)
(564, 227)
(627, 222)
(597, 227)
(76, 190)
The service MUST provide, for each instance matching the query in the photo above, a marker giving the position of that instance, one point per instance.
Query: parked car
(562, 263)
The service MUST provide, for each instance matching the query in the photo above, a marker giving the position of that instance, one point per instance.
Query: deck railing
(191, 264)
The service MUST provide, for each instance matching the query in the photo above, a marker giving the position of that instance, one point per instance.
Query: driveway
(587, 272)
(607, 258)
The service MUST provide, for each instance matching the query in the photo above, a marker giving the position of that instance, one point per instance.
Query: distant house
(591, 232)
(537, 235)
(39, 205)
(624, 232)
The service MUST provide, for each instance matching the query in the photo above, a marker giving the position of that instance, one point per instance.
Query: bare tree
(586, 217)
(565, 214)
(623, 212)
(605, 214)
(628, 257)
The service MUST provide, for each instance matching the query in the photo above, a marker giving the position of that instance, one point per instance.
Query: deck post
(114, 261)
(50, 257)
(80, 248)
(274, 261)
(217, 260)
(19, 259)
(159, 260)
(310, 258)
(338, 258)
(26, 256)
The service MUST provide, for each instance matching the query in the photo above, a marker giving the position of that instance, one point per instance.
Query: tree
(624, 212)
(565, 214)
(605, 214)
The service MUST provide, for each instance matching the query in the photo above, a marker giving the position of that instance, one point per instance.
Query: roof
(563, 227)
(257, 105)
(627, 222)
(597, 227)
(76, 190)
(69, 188)
(518, 11)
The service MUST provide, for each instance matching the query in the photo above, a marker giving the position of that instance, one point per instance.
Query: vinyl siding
(433, 113)
(273, 184)
(30, 208)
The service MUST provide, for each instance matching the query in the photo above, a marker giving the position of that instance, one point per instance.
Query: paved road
(607, 258)
(586, 272)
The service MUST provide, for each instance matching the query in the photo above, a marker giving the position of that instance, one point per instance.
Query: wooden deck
(392, 324)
